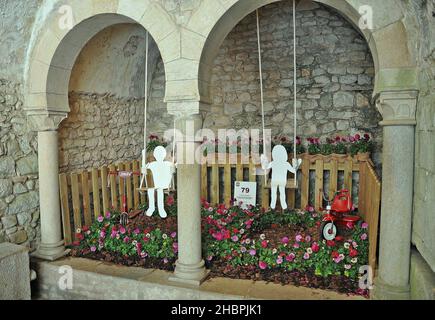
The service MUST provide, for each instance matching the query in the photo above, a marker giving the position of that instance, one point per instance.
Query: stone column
(51, 246)
(399, 119)
(190, 265)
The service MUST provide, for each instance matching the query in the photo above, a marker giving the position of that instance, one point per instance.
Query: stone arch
(54, 50)
(388, 41)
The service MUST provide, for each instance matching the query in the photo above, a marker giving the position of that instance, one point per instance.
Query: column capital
(45, 120)
(397, 107)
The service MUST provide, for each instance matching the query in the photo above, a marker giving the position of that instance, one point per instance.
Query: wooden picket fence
(318, 175)
(85, 195)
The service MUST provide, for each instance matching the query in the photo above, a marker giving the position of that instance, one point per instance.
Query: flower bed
(247, 244)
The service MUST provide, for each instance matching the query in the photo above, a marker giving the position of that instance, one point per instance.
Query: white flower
(79, 230)
(262, 236)
(242, 231)
(347, 245)
(341, 256)
(118, 236)
(309, 250)
(148, 235)
(134, 242)
(165, 236)
(248, 241)
(354, 260)
(274, 251)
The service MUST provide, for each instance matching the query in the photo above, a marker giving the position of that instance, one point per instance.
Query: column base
(189, 274)
(50, 252)
(384, 291)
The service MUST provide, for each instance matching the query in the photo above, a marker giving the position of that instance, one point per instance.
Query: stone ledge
(101, 280)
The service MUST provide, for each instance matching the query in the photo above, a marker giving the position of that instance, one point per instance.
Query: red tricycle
(338, 214)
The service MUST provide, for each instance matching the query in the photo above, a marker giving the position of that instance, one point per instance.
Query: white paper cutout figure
(162, 176)
(280, 168)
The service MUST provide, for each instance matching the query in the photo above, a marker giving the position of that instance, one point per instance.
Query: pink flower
(93, 248)
(264, 244)
(310, 209)
(337, 260)
(175, 247)
(108, 215)
(173, 234)
(298, 238)
(252, 252)
(285, 240)
(100, 219)
(113, 234)
(279, 260)
(347, 266)
(235, 238)
(126, 239)
(262, 265)
(315, 247)
(218, 236)
(290, 257)
(136, 231)
(102, 234)
(357, 137)
(364, 236)
(122, 230)
(242, 249)
(296, 245)
(308, 239)
(306, 256)
(364, 225)
(165, 260)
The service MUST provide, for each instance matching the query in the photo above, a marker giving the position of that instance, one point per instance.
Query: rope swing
(144, 169)
(295, 162)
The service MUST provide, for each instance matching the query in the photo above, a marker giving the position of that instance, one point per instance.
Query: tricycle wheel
(328, 230)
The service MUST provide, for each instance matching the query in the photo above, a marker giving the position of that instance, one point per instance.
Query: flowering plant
(106, 234)
(360, 144)
(287, 143)
(154, 141)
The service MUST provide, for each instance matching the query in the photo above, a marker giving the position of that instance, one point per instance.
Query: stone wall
(104, 129)
(19, 200)
(334, 76)
(106, 121)
(424, 197)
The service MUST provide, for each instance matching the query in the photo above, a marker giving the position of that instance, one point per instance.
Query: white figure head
(159, 153)
(279, 154)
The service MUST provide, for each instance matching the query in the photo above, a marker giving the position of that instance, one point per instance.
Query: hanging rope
(261, 88)
(146, 92)
(144, 151)
(295, 123)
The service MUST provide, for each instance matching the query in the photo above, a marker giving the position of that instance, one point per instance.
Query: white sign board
(245, 192)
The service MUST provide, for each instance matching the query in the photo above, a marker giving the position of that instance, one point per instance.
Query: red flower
(264, 244)
(357, 137)
(235, 230)
(85, 228)
(170, 201)
(353, 253)
(315, 247)
(330, 243)
(79, 236)
(366, 137)
(334, 254)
